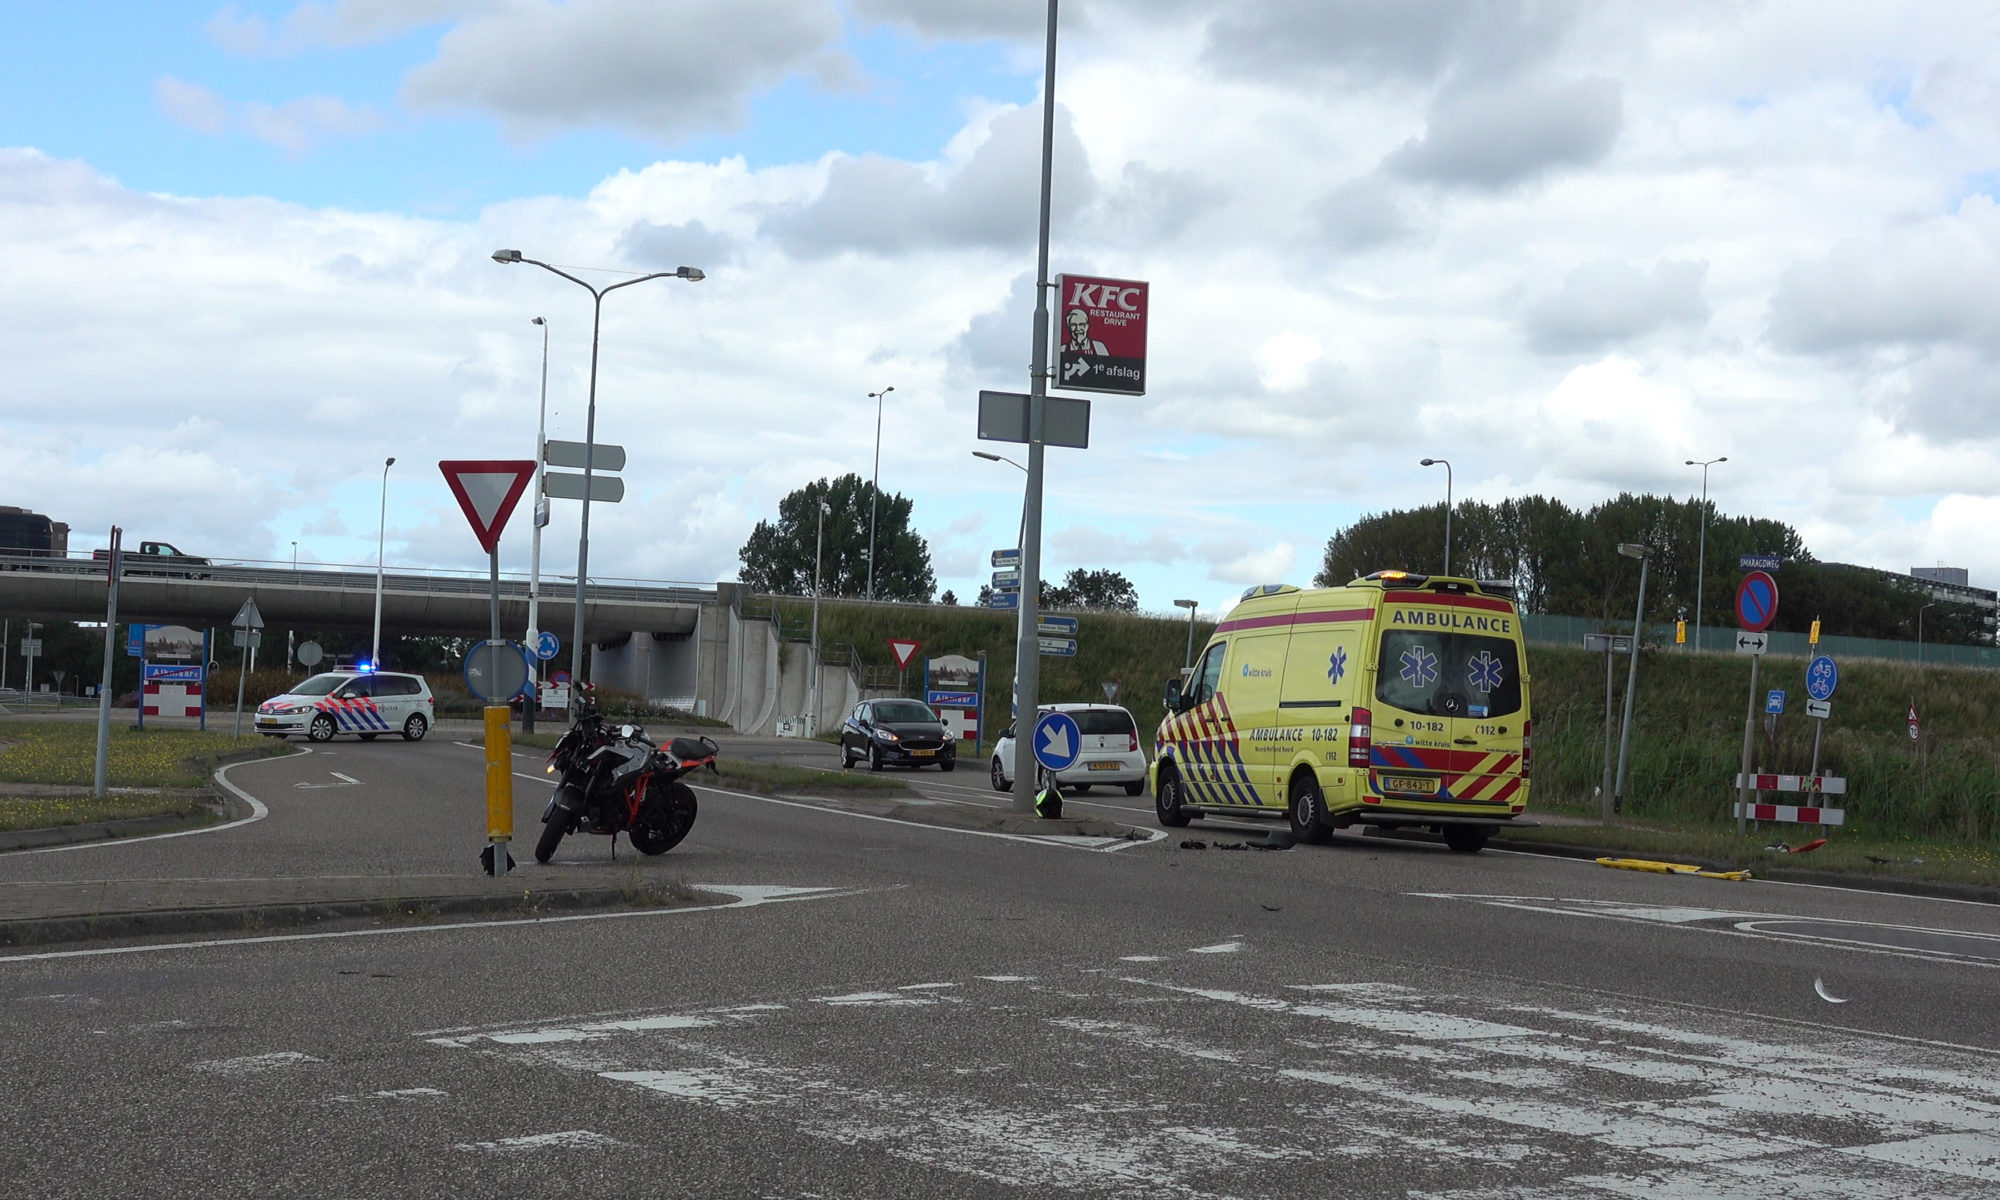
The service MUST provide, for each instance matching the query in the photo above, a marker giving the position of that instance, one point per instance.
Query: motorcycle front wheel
(665, 818)
(552, 836)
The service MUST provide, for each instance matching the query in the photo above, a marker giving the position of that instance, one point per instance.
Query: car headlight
(887, 736)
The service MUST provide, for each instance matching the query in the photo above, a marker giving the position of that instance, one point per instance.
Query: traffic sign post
(1756, 608)
(1822, 676)
(904, 649)
(1610, 644)
(486, 491)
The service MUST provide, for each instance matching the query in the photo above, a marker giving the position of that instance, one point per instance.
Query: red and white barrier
(1822, 785)
(1802, 814)
(172, 699)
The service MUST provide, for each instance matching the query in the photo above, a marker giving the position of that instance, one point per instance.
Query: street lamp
(1190, 606)
(875, 487)
(1920, 631)
(1701, 559)
(597, 294)
(1446, 464)
(534, 701)
(989, 456)
(375, 644)
(1645, 556)
(819, 540)
(295, 558)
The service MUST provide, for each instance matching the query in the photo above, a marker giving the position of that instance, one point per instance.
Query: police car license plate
(1413, 785)
(1104, 766)
(922, 753)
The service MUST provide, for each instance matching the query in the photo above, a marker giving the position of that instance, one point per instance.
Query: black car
(904, 733)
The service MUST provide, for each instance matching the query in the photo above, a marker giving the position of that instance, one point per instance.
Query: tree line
(1565, 561)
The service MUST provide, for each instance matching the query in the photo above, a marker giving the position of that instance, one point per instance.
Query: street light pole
(819, 698)
(1446, 464)
(1190, 606)
(597, 294)
(534, 700)
(1701, 558)
(875, 486)
(991, 457)
(381, 528)
(1645, 556)
(1920, 631)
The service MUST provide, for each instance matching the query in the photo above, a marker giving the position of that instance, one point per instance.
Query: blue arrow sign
(1057, 741)
(1774, 703)
(1821, 678)
(1004, 600)
(1006, 558)
(1056, 626)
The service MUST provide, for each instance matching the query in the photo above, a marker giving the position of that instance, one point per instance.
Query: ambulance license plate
(1104, 766)
(1412, 785)
(922, 753)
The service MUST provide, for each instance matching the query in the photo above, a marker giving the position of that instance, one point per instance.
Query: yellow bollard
(499, 784)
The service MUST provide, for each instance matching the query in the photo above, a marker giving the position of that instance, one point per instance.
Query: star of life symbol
(1420, 667)
(1483, 673)
(1336, 664)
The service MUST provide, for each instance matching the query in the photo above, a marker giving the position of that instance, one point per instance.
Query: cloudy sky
(1565, 245)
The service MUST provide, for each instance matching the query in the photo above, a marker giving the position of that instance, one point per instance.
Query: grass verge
(65, 752)
(47, 812)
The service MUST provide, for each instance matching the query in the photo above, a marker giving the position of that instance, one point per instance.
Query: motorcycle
(613, 779)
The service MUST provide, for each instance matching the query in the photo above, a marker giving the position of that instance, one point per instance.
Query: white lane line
(568, 1139)
(1033, 839)
(747, 896)
(413, 1093)
(252, 1064)
(257, 813)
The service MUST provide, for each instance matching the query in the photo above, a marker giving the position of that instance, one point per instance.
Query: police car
(365, 703)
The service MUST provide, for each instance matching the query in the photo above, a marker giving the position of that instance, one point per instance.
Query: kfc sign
(1103, 334)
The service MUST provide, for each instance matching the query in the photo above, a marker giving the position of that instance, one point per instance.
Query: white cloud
(294, 126)
(191, 104)
(1603, 302)
(1496, 137)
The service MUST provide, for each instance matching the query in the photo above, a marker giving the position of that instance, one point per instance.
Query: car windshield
(320, 685)
(904, 710)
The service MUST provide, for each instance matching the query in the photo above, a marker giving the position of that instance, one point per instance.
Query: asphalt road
(875, 1009)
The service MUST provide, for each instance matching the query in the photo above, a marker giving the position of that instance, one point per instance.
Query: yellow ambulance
(1400, 700)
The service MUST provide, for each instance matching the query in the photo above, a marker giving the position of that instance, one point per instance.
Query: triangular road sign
(904, 649)
(487, 490)
(248, 617)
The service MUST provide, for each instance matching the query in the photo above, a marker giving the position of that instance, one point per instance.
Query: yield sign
(487, 490)
(904, 649)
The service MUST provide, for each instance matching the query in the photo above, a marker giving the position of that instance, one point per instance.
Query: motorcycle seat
(691, 749)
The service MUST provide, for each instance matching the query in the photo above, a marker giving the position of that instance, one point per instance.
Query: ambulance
(1400, 700)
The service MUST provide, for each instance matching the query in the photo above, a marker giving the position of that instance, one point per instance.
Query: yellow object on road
(1667, 868)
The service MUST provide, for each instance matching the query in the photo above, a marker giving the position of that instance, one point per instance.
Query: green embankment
(1687, 731)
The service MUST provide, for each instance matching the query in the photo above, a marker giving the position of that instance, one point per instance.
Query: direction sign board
(1004, 600)
(1760, 562)
(1060, 647)
(1007, 558)
(1756, 601)
(1819, 708)
(1009, 578)
(570, 454)
(487, 490)
(904, 649)
(1774, 701)
(1057, 741)
(1752, 643)
(1003, 417)
(30, 647)
(604, 489)
(547, 645)
(1821, 678)
(1614, 643)
(1055, 626)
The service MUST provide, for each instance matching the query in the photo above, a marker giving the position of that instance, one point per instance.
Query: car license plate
(922, 753)
(1414, 785)
(1104, 766)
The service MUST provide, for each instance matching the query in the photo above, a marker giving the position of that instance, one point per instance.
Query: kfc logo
(1103, 345)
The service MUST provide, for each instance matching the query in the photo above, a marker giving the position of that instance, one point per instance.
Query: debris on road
(1667, 868)
(1820, 987)
(1783, 848)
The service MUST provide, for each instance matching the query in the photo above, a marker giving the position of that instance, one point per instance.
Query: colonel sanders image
(1078, 323)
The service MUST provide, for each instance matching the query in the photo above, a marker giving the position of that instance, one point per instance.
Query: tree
(950, 597)
(778, 557)
(1092, 591)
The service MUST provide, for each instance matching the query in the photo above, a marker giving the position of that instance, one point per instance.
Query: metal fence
(1547, 630)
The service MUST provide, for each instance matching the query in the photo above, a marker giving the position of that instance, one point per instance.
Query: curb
(45, 931)
(218, 807)
(1927, 888)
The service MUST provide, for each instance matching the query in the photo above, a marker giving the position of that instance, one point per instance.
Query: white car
(1110, 752)
(365, 703)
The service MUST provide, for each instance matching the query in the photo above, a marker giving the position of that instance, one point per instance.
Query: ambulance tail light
(1527, 748)
(1360, 738)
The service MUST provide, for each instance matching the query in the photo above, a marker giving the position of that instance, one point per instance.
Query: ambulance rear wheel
(321, 729)
(1307, 811)
(1465, 839)
(1167, 801)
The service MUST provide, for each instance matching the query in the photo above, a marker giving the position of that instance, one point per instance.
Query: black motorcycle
(612, 779)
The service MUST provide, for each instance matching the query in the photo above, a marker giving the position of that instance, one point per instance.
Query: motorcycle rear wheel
(666, 818)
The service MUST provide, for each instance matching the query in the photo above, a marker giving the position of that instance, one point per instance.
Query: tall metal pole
(1027, 649)
(1701, 559)
(535, 552)
(875, 486)
(1605, 788)
(110, 649)
(1446, 464)
(819, 540)
(1749, 733)
(1920, 631)
(1631, 687)
(381, 527)
(583, 529)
